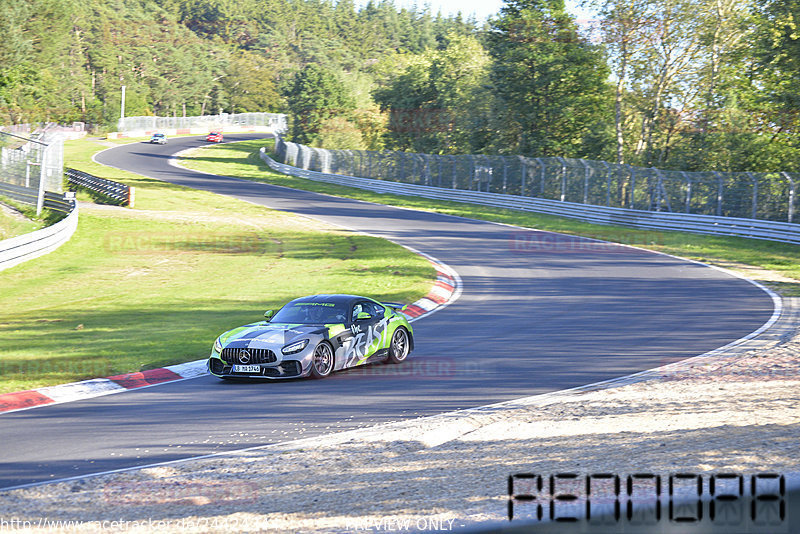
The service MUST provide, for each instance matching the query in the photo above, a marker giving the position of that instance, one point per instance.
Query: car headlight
(218, 346)
(295, 347)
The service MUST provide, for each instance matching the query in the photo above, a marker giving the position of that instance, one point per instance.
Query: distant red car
(214, 137)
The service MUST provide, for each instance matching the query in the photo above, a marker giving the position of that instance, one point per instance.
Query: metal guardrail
(29, 195)
(769, 196)
(58, 202)
(19, 193)
(653, 220)
(116, 191)
(26, 247)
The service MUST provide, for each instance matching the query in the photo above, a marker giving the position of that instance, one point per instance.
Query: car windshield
(311, 312)
(158, 135)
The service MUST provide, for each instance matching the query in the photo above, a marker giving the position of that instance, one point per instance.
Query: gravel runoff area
(737, 411)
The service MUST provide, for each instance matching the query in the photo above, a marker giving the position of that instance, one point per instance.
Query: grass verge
(775, 264)
(141, 288)
(13, 222)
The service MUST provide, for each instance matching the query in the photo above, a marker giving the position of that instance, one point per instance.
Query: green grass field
(775, 264)
(13, 223)
(140, 288)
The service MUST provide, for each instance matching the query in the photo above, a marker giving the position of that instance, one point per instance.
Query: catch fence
(31, 165)
(274, 121)
(750, 195)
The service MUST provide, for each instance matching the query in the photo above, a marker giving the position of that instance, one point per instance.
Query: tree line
(683, 84)
(702, 85)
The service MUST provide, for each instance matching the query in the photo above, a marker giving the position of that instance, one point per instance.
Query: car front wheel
(398, 350)
(322, 362)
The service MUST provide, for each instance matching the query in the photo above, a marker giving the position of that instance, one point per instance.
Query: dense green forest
(683, 84)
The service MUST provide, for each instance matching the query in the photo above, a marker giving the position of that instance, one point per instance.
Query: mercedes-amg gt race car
(314, 336)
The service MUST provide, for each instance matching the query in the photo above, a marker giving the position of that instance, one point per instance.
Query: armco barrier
(770, 196)
(26, 247)
(653, 220)
(116, 191)
(19, 193)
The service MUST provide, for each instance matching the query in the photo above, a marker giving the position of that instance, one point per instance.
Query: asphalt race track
(556, 314)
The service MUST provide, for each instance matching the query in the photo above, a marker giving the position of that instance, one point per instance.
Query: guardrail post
(608, 184)
(563, 178)
(505, 174)
(633, 187)
(754, 210)
(490, 168)
(455, 170)
(791, 195)
(472, 171)
(688, 191)
(720, 183)
(585, 181)
(542, 177)
(40, 196)
(661, 192)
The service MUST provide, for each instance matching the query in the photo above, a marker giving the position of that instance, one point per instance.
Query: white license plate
(247, 369)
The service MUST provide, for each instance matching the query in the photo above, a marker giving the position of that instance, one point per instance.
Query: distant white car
(159, 138)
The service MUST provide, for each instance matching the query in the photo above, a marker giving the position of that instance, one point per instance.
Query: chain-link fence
(274, 121)
(768, 196)
(31, 165)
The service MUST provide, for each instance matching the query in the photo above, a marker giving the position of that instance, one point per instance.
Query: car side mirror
(363, 315)
(268, 315)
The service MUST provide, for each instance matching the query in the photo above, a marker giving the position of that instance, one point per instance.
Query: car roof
(335, 299)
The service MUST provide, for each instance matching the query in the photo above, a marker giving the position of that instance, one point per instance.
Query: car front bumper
(284, 367)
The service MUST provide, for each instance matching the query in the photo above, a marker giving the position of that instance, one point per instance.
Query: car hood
(264, 335)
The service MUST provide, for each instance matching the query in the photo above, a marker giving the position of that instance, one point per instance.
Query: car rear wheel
(322, 362)
(398, 350)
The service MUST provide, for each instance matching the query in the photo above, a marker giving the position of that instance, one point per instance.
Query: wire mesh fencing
(750, 195)
(274, 121)
(31, 165)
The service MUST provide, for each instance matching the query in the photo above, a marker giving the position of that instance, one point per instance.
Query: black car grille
(252, 356)
(287, 368)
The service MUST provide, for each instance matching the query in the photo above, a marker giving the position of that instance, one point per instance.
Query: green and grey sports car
(314, 336)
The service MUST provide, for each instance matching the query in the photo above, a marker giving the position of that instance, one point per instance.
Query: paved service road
(528, 322)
